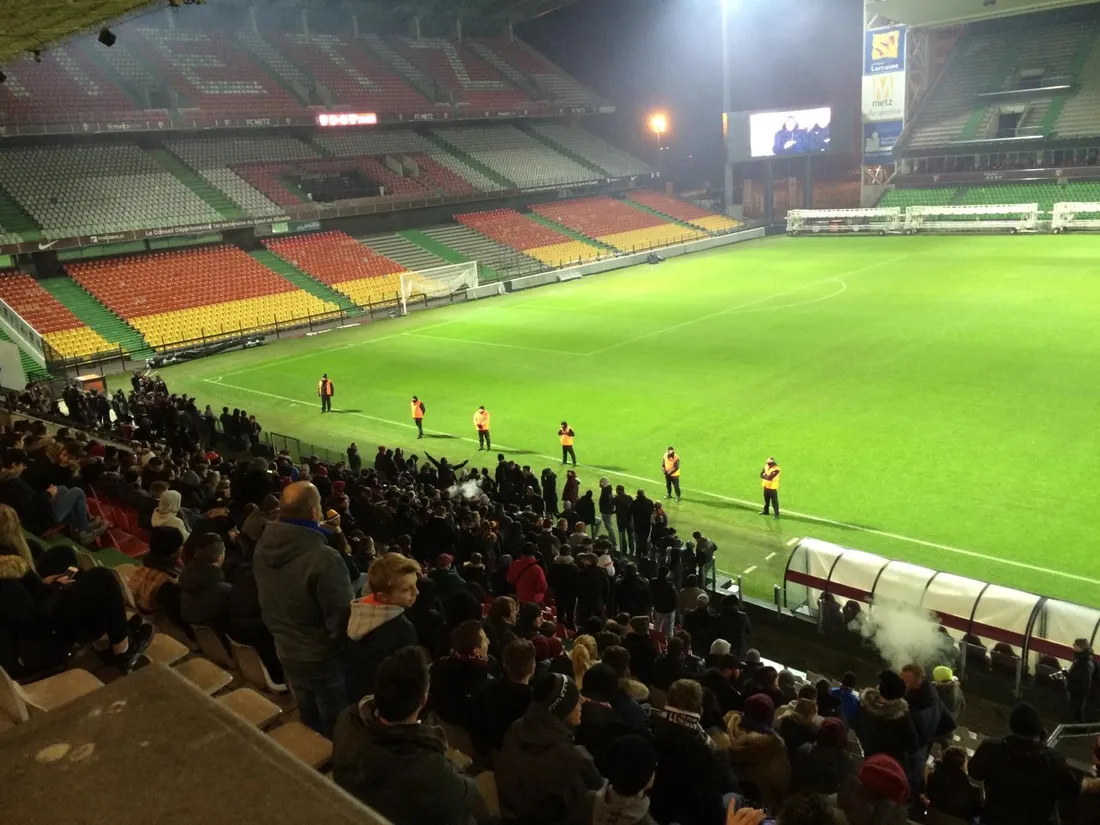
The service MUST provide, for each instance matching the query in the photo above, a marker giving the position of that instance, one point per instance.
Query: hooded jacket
(542, 777)
(304, 591)
(204, 596)
(376, 630)
(795, 729)
(691, 777)
(493, 709)
(820, 769)
(884, 726)
(454, 681)
(33, 506)
(28, 641)
(400, 770)
(1024, 781)
(605, 807)
(761, 758)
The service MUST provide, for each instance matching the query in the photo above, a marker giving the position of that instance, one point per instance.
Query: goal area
(439, 283)
(880, 221)
(1075, 216)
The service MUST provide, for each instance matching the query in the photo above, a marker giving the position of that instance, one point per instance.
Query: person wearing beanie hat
(879, 795)
(631, 767)
(1024, 780)
(883, 724)
(950, 790)
(797, 722)
(757, 752)
(824, 765)
(949, 689)
(541, 775)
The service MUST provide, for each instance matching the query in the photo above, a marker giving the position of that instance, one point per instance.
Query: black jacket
(600, 726)
(734, 626)
(607, 500)
(586, 509)
(884, 726)
(691, 777)
(663, 594)
(632, 595)
(30, 640)
(820, 769)
(622, 510)
(204, 597)
(563, 577)
(541, 775)
(375, 631)
(33, 506)
(643, 655)
(1024, 781)
(493, 709)
(454, 681)
(951, 792)
(400, 770)
(703, 629)
(728, 697)
(593, 589)
(1081, 673)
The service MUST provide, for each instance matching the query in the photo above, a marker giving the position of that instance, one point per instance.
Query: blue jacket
(849, 702)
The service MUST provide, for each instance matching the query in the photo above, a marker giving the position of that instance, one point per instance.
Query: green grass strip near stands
(565, 230)
(1054, 111)
(17, 221)
(561, 150)
(81, 304)
(469, 160)
(443, 251)
(303, 281)
(214, 198)
(30, 366)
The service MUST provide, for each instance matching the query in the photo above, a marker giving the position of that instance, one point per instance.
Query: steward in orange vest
(567, 435)
(326, 391)
(481, 422)
(670, 466)
(769, 480)
(418, 415)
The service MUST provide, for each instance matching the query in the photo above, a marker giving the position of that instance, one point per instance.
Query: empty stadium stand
(683, 211)
(209, 292)
(62, 330)
(400, 249)
(458, 70)
(1046, 194)
(97, 188)
(616, 223)
(613, 161)
(343, 263)
(536, 240)
(561, 88)
(516, 156)
(1079, 114)
(473, 246)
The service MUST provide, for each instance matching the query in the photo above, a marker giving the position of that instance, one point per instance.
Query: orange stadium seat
(186, 295)
(616, 223)
(54, 322)
(683, 211)
(534, 239)
(343, 263)
(458, 69)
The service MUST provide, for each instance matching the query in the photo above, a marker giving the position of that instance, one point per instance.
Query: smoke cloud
(469, 490)
(903, 633)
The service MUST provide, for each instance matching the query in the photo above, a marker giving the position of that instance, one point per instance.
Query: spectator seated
(58, 326)
(343, 263)
(616, 223)
(206, 293)
(535, 240)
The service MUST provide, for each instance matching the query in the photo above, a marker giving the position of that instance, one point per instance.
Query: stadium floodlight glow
(659, 123)
(348, 119)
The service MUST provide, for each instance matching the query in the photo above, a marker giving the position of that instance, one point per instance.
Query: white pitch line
(415, 334)
(793, 541)
(739, 501)
(749, 570)
(770, 556)
(743, 306)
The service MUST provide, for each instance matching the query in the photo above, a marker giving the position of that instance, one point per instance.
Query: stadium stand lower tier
(186, 295)
(62, 330)
(616, 223)
(683, 211)
(533, 239)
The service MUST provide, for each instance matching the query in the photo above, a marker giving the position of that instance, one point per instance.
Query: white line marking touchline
(770, 556)
(414, 334)
(794, 541)
(749, 570)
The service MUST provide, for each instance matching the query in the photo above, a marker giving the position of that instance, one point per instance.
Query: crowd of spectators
(440, 623)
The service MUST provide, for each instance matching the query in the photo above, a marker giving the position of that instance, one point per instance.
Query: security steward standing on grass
(326, 391)
(769, 477)
(567, 435)
(481, 422)
(670, 465)
(418, 415)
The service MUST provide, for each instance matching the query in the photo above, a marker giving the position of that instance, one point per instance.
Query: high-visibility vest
(324, 387)
(769, 477)
(672, 465)
(417, 409)
(566, 437)
(481, 419)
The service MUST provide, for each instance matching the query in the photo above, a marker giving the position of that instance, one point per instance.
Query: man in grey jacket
(305, 597)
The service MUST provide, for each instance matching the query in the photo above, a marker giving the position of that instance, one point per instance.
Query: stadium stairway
(14, 220)
(215, 199)
(81, 304)
(661, 215)
(398, 248)
(30, 366)
(561, 150)
(500, 180)
(449, 255)
(565, 230)
(983, 113)
(508, 262)
(1077, 64)
(303, 281)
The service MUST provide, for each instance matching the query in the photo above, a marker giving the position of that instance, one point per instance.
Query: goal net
(432, 284)
(1009, 217)
(1068, 217)
(824, 221)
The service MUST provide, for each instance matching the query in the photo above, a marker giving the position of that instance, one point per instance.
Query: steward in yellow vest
(670, 466)
(481, 422)
(567, 435)
(769, 480)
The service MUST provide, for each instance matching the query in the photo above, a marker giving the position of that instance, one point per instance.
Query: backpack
(423, 408)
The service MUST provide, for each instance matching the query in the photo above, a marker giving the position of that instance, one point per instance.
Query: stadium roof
(26, 25)
(950, 12)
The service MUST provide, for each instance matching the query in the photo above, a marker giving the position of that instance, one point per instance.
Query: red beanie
(885, 777)
(542, 647)
(555, 645)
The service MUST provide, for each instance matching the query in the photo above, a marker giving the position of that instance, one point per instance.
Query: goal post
(440, 282)
(1070, 216)
(1008, 217)
(880, 221)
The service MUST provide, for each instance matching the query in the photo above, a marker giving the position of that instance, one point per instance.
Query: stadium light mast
(727, 103)
(659, 124)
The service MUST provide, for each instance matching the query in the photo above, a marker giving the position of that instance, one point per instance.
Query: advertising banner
(879, 140)
(884, 50)
(883, 97)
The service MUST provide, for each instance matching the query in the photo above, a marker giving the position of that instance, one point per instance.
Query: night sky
(666, 54)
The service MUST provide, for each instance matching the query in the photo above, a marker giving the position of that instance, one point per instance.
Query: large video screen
(793, 132)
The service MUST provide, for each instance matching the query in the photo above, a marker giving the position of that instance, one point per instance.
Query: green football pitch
(931, 399)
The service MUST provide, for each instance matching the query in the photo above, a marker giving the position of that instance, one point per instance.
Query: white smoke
(904, 633)
(469, 490)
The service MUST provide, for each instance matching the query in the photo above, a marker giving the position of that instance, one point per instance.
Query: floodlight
(659, 123)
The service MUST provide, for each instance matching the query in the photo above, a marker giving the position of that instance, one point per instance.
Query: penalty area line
(717, 496)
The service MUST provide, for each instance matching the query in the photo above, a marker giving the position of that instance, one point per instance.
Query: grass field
(932, 399)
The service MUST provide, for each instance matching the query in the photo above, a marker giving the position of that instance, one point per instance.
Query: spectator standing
(848, 696)
(600, 724)
(929, 721)
(1080, 679)
(607, 510)
(499, 703)
(1024, 780)
(586, 512)
(883, 724)
(541, 776)
(643, 652)
(563, 576)
(828, 704)
(757, 752)
(641, 515)
(527, 576)
(689, 595)
(355, 461)
(386, 758)
(630, 772)
(632, 592)
(879, 795)
(663, 594)
(500, 626)
(720, 679)
(593, 589)
(733, 625)
(824, 765)
(459, 675)
(700, 624)
(705, 552)
(796, 722)
(624, 521)
(550, 491)
(446, 578)
(305, 593)
(950, 790)
(947, 686)
(571, 490)
(378, 625)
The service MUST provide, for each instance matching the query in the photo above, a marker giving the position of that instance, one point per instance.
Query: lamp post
(659, 124)
(726, 102)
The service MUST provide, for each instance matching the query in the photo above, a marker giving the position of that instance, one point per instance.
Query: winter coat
(662, 592)
(929, 722)
(632, 595)
(1023, 779)
(951, 792)
(1081, 674)
(542, 777)
(643, 655)
(600, 726)
(820, 769)
(951, 696)
(447, 582)
(401, 771)
(761, 759)
(493, 709)
(593, 590)
(204, 597)
(863, 807)
(528, 578)
(884, 726)
(849, 701)
(667, 670)
(605, 807)
(454, 681)
(701, 625)
(795, 730)
(734, 626)
(375, 630)
(728, 697)
(500, 635)
(691, 776)
(33, 506)
(586, 509)
(304, 591)
(627, 703)
(29, 638)
(563, 576)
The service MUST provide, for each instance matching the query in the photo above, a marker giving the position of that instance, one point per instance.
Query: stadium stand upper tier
(536, 240)
(518, 156)
(616, 223)
(62, 330)
(157, 71)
